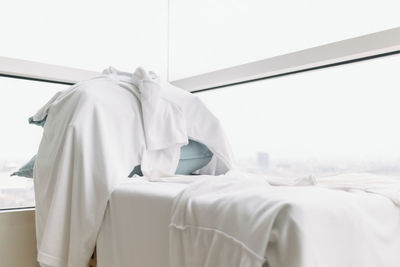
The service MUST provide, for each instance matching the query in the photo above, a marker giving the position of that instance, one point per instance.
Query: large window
(19, 141)
(90, 34)
(323, 122)
(209, 35)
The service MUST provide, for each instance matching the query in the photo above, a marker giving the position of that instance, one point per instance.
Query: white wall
(17, 239)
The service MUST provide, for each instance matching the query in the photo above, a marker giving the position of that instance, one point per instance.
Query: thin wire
(168, 38)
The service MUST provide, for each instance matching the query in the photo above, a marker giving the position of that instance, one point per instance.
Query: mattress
(134, 232)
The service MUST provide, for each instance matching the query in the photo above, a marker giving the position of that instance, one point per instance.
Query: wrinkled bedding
(96, 132)
(242, 220)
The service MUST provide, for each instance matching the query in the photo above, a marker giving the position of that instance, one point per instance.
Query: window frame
(378, 44)
(365, 47)
(40, 72)
(36, 71)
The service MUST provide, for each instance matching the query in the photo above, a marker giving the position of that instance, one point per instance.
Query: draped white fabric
(96, 132)
(242, 220)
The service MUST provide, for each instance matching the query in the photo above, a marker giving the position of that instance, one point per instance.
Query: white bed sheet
(134, 232)
(240, 220)
(135, 229)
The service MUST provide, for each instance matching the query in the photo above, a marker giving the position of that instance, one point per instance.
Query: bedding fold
(96, 132)
(307, 222)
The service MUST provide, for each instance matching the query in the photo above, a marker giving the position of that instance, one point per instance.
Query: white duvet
(241, 220)
(96, 132)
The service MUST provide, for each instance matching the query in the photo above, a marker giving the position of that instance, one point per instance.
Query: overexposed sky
(347, 112)
(208, 35)
(90, 34)
(86, 34)
(342, 112)
(20, 99)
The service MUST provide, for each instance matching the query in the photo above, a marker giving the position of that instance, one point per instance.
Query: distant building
(263, 160)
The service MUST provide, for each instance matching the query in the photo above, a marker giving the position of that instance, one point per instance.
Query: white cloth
(171, 116)
(135, 226)
(384, 185)
(96, 132)
(241, 220)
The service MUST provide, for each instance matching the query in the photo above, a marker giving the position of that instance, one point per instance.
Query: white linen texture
(243, 220)
(96, 132)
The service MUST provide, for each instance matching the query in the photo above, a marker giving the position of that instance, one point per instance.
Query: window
(90, 34)
(210, 35)
(321, 122)
(19, 141)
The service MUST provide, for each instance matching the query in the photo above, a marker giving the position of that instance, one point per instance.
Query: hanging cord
(168, 39)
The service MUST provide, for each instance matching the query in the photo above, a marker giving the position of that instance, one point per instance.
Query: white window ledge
(363, 47)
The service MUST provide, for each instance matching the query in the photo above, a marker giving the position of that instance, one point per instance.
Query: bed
(135, 229)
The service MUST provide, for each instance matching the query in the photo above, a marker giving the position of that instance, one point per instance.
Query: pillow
(38, 123)
(27, 169)
(194, 156)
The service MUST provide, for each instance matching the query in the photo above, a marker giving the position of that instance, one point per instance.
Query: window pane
(209, 35)
(90, 34)
(323, 122)
(19, 141)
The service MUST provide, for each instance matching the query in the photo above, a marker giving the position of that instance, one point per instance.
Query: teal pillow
(27, 169)
(38, 123)
(194, 156)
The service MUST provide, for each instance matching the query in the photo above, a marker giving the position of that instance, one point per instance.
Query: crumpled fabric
(96, 132)
(248, 220)
(159, 116)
